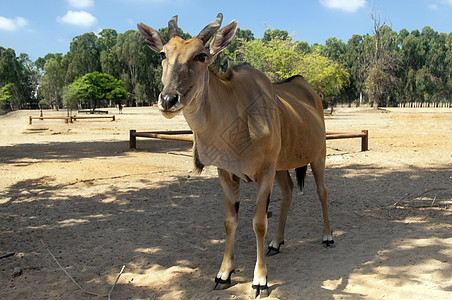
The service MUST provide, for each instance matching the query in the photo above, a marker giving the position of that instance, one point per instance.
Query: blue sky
(38, 27)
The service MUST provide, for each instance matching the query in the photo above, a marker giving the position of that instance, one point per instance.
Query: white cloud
(81, 3)
(12, 24)
(438, 4)
(345, 5)
(78, 18)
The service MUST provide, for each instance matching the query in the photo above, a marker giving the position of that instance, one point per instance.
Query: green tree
(131, 57)
(302, 47)
(140, 94)
(5, 96)
(94, 88)
(272, 34)
(139, 65)
(447, 77)
(30, 80)
(326, 76)
(355, 62)
(52, 82)
(70, 95)
(83, 56)
(13, 70)
(9, 66)
(334, 49)
(279, 59)
(412, 59)
(106, 44)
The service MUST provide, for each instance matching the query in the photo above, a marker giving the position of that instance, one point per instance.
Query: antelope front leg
(230, 185)
(264, 189)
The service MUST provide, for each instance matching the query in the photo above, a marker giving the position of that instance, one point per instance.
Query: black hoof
(272, 250)
(259, 290)
(328, 244)
(221, 284)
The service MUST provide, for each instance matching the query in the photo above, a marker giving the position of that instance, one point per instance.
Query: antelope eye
(200, 57)
(162, 55)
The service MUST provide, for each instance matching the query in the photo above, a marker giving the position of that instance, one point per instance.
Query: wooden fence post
(365, 140)
(132, 139)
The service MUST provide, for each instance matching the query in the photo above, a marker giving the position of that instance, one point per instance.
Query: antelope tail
(301, 175)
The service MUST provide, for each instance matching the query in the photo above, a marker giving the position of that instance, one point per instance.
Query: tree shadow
(25, 154)
(169, 233)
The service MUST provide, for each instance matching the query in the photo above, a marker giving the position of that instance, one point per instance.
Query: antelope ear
(151, 37)
(223, 37)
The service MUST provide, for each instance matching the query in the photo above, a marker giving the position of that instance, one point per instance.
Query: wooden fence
(426, 105)
(71, 119)
(66, 119)
(186, 135)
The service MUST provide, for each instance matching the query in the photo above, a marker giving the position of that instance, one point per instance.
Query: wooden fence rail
(364, 135)
(77, 117)
(66, 119)
(186, 135)
(70, 119)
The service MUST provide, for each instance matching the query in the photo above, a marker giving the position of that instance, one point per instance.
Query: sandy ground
(98, 206)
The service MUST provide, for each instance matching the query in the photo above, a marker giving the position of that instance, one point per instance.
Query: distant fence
(187, 136)
(71, 119)
(89, 111)
(76, 117)
(66, 119)
(425, 105)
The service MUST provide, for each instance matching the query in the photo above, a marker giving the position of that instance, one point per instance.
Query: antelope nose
(168, 101)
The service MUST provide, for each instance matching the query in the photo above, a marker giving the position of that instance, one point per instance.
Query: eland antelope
(249, 128)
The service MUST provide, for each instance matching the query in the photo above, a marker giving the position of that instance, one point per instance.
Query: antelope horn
(173, 30)
(210, 29)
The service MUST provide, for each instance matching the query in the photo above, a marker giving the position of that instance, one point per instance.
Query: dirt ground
(98, 206)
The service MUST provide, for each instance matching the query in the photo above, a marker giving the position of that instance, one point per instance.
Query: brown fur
(251, 129)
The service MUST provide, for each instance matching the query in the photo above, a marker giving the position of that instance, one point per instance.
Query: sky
(38, 27)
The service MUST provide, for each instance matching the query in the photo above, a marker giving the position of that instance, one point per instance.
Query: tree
(70, 95)
(302, 47)
(53, 81)
(30, 80)
(326, 76)
(6, 96)
(279, 59)
(412, 58)
(94, 88)
(83, 56)
(106, 44)
(131, 55)
(381, 78)
(12, 70)
(9, 66)
(354, 60)
(140, 94)
(271, 34)
(385, 67)
(334, 49)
